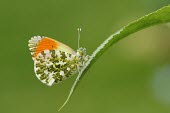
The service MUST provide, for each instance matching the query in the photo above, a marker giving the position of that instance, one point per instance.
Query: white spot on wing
(46, 72)
(57, 53)
(62, 73)
(68, 68)
(48, 54)
(51, 81)
(61, 63)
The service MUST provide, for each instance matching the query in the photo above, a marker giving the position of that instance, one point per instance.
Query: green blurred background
(133, 76)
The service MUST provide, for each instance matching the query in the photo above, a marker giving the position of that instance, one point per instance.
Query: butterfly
(55, 61)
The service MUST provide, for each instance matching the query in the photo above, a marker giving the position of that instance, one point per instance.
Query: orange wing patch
(44, 44)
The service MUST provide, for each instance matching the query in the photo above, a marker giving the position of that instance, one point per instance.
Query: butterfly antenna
(79, 30)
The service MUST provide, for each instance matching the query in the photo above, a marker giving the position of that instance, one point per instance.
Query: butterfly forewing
(37, 44)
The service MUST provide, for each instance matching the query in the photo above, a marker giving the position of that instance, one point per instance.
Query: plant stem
(160, 16)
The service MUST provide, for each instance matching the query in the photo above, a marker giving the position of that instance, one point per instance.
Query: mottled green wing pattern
(54, 66)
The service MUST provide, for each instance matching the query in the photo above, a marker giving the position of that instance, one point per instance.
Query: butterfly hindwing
(53, 66)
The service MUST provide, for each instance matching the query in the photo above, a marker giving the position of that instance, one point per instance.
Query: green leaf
(160, 16)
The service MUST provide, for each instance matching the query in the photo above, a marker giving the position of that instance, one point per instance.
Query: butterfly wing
(37, 44)
(53, 60)
(54, 66)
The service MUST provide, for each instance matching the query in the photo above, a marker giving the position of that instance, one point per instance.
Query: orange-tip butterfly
(55, 61)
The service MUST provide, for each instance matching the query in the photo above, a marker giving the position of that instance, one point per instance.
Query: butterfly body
(55, 61)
